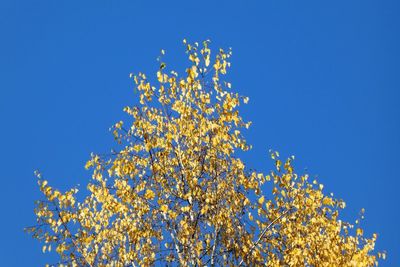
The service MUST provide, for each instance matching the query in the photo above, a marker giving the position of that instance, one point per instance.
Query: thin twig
(262, 235)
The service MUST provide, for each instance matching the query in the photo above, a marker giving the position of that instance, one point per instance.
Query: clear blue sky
(322, 77)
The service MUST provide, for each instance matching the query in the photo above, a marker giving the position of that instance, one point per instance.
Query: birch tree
(175, 193)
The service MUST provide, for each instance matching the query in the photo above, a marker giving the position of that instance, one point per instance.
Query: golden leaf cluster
(176, 193)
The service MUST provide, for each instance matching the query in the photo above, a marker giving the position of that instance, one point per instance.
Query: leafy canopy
(177, 194)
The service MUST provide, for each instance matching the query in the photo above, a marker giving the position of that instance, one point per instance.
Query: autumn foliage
(177, 194)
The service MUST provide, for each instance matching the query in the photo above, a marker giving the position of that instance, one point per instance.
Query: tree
(177, 194)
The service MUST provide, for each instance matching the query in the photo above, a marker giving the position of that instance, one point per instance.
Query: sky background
(322, 77)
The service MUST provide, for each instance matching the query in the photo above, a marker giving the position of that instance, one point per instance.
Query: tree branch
(262, 235)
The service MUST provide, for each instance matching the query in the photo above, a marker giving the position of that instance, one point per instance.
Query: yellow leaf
(250, 216)
(359, 231)
(164, 208)
(327, 201)
(149, 194)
